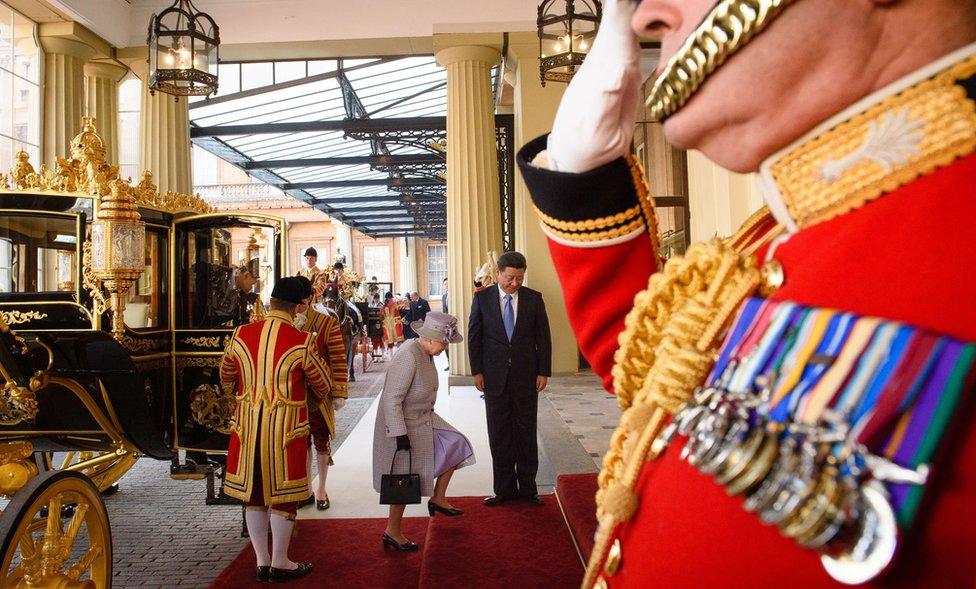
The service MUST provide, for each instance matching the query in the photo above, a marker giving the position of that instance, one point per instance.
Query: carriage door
(224, 268)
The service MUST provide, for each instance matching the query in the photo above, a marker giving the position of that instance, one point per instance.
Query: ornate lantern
(566, 32)
(183, 55)
(118, 248)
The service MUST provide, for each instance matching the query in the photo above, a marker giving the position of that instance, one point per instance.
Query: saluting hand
(595, 121)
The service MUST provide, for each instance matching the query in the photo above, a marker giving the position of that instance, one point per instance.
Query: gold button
(773, 277)
(600, 583)
(612, 564)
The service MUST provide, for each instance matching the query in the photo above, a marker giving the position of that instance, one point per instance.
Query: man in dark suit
(511, 358)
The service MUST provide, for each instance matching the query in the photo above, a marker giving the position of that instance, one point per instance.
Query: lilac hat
(439, 327)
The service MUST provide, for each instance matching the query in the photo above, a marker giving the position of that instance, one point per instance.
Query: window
(130, 101)
(20, 95)
(376, 262)
(38, 253)
(436, 269)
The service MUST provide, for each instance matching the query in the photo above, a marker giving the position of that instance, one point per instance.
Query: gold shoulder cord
(668, 345)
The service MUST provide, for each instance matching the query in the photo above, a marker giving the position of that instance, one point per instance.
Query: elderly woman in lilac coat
(405, 420)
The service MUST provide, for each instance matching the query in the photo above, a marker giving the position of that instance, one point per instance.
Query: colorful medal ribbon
(825, 422)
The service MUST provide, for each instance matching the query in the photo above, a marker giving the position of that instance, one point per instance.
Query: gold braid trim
(669, 343)
(645, 199)
(590, 224)
(598, 235)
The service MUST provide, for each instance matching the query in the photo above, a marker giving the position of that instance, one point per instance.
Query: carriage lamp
(183, 51)
(566, 32)
(118, 248)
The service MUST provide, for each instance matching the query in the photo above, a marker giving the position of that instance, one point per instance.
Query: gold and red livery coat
(273, 368)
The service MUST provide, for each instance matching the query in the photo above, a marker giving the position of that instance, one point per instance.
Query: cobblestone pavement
(587, 409)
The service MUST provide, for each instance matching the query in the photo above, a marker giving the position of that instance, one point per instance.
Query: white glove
(338, 403)
(595, 121)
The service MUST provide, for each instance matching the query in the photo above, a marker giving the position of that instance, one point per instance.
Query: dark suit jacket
(527, 356)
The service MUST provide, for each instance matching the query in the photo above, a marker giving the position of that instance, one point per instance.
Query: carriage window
(226, 273)
(38, 254)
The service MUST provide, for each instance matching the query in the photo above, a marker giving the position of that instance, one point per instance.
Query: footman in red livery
(797, 398)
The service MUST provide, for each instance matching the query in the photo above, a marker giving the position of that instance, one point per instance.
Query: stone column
(473, 207)
(407, 247)
(535, 109)
(103, 79)
(64, 95)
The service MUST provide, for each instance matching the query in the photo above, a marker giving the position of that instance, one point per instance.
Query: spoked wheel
(53, 550)
(103, 473)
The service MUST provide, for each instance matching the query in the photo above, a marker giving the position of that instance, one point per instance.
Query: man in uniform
(273, 369)
(313, 273)
(860, 117)
(321, 415)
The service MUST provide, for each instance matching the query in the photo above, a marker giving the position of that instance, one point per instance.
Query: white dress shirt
(501, 302)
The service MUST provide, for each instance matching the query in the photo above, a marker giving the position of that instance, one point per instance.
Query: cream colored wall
(535, 109)
(719, 200)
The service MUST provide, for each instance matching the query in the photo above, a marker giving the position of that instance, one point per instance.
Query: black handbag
(400, 489)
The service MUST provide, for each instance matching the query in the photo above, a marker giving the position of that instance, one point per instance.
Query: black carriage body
(148, 384)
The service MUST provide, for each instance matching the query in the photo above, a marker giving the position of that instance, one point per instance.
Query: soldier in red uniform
(273, 368)
(797, 398)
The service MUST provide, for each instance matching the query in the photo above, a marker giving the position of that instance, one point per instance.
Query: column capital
(70, 38)
(477, 53)
(108, 69)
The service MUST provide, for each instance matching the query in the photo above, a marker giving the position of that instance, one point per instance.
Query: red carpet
(514, 545)
(346, 553)
(577, 495)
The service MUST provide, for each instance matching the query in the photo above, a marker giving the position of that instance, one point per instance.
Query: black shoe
(433, 508)
(407, 546)
(535, 500)
(262, 574)
(495, 500)
(277, 575)
(306, 501)
(323, 505)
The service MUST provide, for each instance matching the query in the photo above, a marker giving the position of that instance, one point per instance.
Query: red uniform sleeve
(603, 240)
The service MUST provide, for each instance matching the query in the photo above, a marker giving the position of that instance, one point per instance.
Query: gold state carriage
(116, 302)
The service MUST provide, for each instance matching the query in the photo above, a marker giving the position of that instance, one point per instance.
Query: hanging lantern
(183, 45)
(566, 32)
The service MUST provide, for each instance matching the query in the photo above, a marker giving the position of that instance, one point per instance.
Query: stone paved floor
(165, 536)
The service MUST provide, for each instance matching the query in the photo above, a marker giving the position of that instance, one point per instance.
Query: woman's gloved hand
(403, 442)
(338, 403)
(594, 124)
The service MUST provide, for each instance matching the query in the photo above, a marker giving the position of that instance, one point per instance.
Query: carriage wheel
(42, 547)
(102, 475)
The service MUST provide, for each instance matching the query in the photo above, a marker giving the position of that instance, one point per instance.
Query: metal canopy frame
(362, 140)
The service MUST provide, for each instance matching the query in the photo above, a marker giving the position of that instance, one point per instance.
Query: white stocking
(257, 529)
(281, 529)
(322, 461)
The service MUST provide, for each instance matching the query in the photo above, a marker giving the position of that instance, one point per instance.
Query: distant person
(409, 432)
(314, 274)
(272, 367)
(417, 309)
(392, 326)
(511, 357)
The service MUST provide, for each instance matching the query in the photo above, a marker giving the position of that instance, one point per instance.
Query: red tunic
(908, 256)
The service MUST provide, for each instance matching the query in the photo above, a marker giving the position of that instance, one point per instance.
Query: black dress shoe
(262, 574)
(535, 500)
(407, 546)
(323, 505)
(277, 575)
(306, 501)
(433, 508)
(495, 500)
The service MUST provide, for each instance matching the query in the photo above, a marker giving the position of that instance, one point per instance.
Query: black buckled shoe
(408, 546)
(433, 508)
(278, 575)
(323, 504)
(262, 574)
(306, 501)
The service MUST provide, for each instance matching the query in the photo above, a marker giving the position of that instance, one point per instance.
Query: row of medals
(812, 481)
